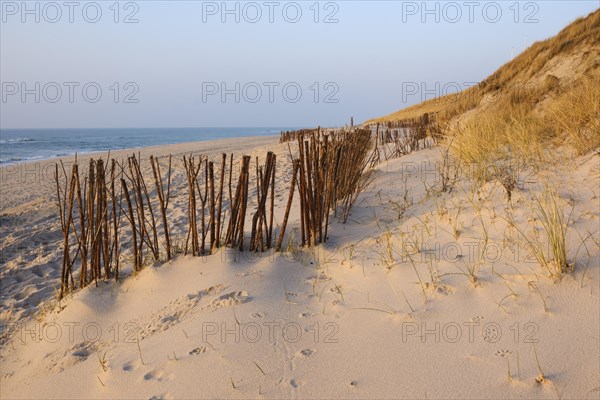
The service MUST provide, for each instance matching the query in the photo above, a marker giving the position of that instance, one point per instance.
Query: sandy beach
(399, 302)
(309, 200)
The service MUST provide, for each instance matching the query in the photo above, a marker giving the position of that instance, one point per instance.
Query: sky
(149, 63)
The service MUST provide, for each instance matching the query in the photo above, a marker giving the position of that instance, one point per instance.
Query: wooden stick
(163, 202)
(115, 218)
(211, 182)
(218, 242)
(131, 218)
(289, 205)
(270, 235)
(244, 203)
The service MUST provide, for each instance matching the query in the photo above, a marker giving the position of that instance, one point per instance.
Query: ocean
(21, 145)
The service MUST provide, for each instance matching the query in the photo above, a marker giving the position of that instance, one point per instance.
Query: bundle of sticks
(328, 173)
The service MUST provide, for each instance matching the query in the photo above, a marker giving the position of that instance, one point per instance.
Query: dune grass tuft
(555, 227)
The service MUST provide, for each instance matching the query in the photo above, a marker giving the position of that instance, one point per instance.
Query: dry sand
(385, 309)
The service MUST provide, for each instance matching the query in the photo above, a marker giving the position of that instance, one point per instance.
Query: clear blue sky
(176, 49)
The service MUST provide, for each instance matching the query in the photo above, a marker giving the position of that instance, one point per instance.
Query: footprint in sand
(37, 271)
(158, 375)
(440, 288)
(477, 318)
(306, 353)
(491, 332)
(314, 279)
(242, 274)
(131, 366)
(62, 359)
(164, 396)
(503, 353)
(294, 382)
(175, 312)
(82, 352)
(231, 299)
(307, 315)
(257, 315)
(198, 350)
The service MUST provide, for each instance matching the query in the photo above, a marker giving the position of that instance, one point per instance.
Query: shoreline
(113, 151)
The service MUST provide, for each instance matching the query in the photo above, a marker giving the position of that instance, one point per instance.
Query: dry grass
(513, 131)
(522, 108)
(551, 254)
(555, 226)
(575, 114)
(518, 130)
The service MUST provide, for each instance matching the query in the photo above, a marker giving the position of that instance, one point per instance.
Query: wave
(16, 140)
(14, 160)
(8, 160)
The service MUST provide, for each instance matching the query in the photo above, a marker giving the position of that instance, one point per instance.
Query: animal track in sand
(477, 318)
(306, 315)
(294, 382)
(8, 375)
(306, 353)
(130, 366)
(158, 375)
(491, 332)
(198, 350)
(257, 315)
(164, 396)
(503, 353)
(175, 312)
(440, 288)
(37, 271)
(249, 273)
(231, 299)
(315, 279)
(62, 359)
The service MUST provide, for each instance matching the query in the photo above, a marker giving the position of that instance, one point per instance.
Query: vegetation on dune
(523, 106)
(519, 128)
(546, 98)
